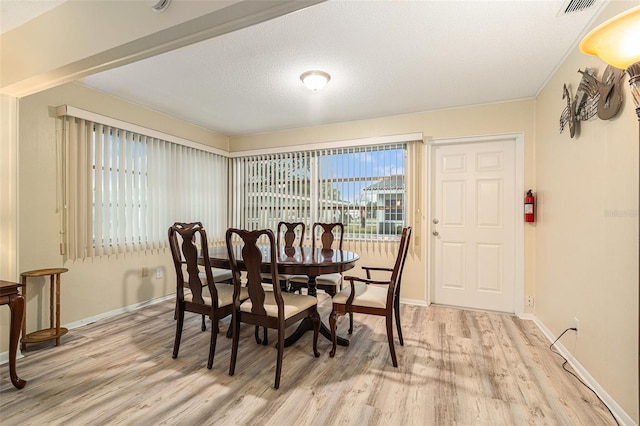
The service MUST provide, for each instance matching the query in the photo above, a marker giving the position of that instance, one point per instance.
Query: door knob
(436, 221)
(435, 233)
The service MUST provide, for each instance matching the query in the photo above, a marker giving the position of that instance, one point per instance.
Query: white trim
(475, 139)
(64, 110)
(375, 140)
(4, 356)
(414, 302)
(113, 313)
(622, 417)
(518, 139)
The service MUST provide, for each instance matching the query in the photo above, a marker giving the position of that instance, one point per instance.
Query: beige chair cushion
(283, 277)
(219, 275)
(326, 279)
(293, 304)
(225, 294)
(329, 279)
(299, 279)
(371, 296)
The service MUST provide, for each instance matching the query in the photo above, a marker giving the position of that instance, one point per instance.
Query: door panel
(474, 238)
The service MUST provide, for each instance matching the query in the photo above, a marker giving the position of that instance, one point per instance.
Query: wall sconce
(315, 80)
(617, 42)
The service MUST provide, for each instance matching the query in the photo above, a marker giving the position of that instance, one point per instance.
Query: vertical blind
(122, 190)
(364, 187)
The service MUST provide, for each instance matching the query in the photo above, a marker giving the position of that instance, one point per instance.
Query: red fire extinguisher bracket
(529, 207)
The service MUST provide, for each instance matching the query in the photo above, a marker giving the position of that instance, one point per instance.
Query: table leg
(16, 304)
(57, 308)
(307, 325)
(23, 345)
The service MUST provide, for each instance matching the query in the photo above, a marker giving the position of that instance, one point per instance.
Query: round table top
(295, 260)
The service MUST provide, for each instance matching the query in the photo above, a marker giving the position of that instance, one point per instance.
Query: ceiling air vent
(158, 5)
(571, 6)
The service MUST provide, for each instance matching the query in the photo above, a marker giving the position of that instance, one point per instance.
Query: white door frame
(518, 140)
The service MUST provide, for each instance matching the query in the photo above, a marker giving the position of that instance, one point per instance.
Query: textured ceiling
(385, 58)
(14, 13)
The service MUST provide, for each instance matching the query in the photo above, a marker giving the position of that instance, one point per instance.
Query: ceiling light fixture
(315, 80)
(617, 42)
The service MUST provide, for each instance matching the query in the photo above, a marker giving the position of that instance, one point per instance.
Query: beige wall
(8, 206)
(91, 287)
(587, 233)
(508, 117)
(8, 189)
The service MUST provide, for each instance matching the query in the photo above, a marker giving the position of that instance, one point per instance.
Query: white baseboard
(118, 311)
(415, 302)
(4, 356)
(622, 417)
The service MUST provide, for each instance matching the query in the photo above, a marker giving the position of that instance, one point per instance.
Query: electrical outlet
(576, 324)
(159, 272)
(145, 271)
(529, 300)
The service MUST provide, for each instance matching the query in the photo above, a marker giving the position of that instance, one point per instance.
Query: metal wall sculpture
(594, 96)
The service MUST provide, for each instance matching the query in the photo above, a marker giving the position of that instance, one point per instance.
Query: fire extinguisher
(529, 207)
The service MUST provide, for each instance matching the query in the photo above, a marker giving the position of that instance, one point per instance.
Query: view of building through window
(362, 187)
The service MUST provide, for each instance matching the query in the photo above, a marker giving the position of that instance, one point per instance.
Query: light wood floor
(456, 367)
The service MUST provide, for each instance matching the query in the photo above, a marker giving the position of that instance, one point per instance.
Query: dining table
(308, 261)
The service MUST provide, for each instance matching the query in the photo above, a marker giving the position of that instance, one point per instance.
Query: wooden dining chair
(196, 290)
(288, 236)
(270, 309)
(219, 276)
(373, 297)
(327, 233)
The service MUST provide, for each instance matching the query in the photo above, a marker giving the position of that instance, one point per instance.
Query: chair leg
(280, 352)
(334, 333)
(396, 310)
(350, 322)
(389, 321)
(179, 323)
(230, 330)
(204, 324)
(265, 340)
(214, 339)
(315, 318)
(234, 344)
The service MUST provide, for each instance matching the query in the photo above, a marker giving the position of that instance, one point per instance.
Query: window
(124, 189)
(362, 187)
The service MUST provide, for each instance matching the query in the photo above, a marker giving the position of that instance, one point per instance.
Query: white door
(474, 225)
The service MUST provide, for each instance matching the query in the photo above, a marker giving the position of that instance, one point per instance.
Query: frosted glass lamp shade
(315, 80)
(616, 41)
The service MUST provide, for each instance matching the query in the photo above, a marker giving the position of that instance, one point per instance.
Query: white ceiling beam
(80, 38)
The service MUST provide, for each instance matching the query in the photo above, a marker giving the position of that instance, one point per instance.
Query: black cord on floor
(564, 367)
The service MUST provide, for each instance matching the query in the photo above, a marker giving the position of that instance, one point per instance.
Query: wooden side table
(9, 295)
(54, 331)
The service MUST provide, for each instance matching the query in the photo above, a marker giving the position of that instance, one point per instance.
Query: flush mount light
(315, 80)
